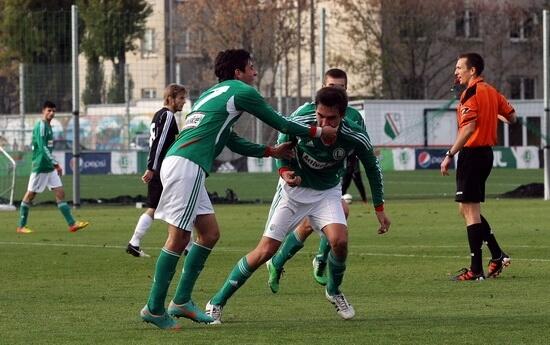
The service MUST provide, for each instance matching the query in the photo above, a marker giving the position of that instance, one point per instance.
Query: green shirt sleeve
(374, 174)
(252, 102)
(244, 147)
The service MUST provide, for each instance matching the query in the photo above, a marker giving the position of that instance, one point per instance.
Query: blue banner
(90, 163)
(430, 158)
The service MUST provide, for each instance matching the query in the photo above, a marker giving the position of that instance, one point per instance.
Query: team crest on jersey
(315, 164)
(193, 120)
(339, 154)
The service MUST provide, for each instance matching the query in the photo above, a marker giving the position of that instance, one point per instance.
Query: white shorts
(39, 181)
(184, 195)
(286, 212)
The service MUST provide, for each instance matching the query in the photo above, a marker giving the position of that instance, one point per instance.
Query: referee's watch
(449, 154)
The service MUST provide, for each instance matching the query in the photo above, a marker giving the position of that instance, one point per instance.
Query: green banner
(503, 157)
(385, 157)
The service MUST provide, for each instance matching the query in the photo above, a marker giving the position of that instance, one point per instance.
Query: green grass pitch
(82, 288)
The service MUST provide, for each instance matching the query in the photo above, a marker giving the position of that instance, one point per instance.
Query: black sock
(489, 238)
(475, 239)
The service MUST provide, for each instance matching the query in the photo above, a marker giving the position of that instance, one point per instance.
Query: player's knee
(340, 246)
(209, 238)
(29, 196)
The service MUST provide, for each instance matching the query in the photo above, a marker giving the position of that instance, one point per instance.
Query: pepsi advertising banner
(90, 163)
(430, 158)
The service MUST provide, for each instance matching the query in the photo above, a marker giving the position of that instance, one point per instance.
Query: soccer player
(310, 187)
(295, 241)
(184, 202)
(477, 112)
(164, 130)
(46, 172)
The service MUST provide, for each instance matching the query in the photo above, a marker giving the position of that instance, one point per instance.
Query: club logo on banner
(404, 158)
(392, 125)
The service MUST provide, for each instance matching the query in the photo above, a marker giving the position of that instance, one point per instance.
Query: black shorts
(154, 190)
(473, 168)
(352, 165)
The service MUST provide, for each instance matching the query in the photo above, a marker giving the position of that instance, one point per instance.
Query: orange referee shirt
(482, 103)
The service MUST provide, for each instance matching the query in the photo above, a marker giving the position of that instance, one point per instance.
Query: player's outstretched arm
(384, 222)
(281, 151)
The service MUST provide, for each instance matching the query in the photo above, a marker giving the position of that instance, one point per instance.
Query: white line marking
(244, 250)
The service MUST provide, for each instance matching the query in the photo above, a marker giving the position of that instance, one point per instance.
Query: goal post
(7, 181)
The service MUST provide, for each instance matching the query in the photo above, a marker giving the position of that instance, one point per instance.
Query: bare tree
(400, 40)
(513, 38)
(265, 28)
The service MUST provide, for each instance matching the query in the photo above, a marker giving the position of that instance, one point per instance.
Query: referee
(477, 112)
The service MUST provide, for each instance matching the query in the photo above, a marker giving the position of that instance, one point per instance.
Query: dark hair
(473, 60)
(228, 61)
(332, 97)
(337, 74)
(48, 104)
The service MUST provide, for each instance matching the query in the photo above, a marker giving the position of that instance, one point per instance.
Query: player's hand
(444, 167)
(282, 151)
(291, 178)
(147, 176)
(58, 169)
(328, 135)
(384, 221)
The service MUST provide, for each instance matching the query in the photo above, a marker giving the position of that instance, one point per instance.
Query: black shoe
(135, 251)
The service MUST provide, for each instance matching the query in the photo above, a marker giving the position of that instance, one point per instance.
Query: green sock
(236, 279)
(336, 269)
(23, 214)
(192, 267)
(164, 272)
(66, 212)
(290, 246)
(324, 249)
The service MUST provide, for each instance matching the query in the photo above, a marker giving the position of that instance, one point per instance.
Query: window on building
(522, 88)
(533, 131)
(188, 43)
(515, 134)
(148, 93)
(523, 28)
(467, 24)
(148, 43)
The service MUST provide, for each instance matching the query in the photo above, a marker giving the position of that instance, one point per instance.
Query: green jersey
(208, 127)
(320, 166)
(351, 114)
(42, 146)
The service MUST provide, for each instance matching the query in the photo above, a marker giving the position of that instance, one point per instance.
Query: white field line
(244, 250)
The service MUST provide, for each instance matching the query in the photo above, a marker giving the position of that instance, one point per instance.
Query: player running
(294, 242)
(184, 202)
(310, 187)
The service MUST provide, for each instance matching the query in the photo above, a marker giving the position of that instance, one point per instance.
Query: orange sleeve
(468, 111)
(504, 107)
